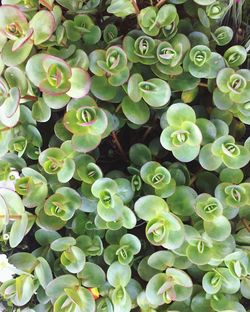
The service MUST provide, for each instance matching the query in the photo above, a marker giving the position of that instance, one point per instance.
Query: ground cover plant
(124, 155)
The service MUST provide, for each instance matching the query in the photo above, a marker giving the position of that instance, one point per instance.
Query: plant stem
(30, 97)
(46, 4)
(160, 3)
(118, 108)
(14, 217)
(146, 133)
(246, 225)
(192, 180)
(118, 144)
(201, 84)
(137, 10)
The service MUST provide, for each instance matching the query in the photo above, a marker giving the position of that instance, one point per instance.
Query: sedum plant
(124, 156)
(181, 135)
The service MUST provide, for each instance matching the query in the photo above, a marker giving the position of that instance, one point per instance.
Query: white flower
(2, 308)
(7, 270)
(11, 181)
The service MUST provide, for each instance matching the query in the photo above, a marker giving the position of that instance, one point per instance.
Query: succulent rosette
(162, 225)
(233, 88)
(112, 63)
(152, 20)
(32, 186)
(225, 151)
(159, 178)
(71, 296)
(82, 27)
(55, 162)
(208, 207)
(63, 203)
(124, 156)
(155, 92)
(121, 8)
(170, 56)
(72, 257)
(53, 76)
(223, 35)
(217, 9)
(141, 49)
(201, 62)
(182, 136)
(234, 197)
(220, 280)
(235, 56)
(110, 204)
(23, 33)
(14, 25)
(124, 252)
(87, 122)
(173, 285)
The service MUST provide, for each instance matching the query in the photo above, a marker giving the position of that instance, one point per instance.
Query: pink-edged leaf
(11, 105)
(58, 78)
(43, 24)
(85, 143)
(165, 287)
(64, 67)
(47, 3)
(172, 294)
(47, 88)
(35, 70)
(14, 58)
(3, 87)
(80, 83)
(85, 124)
(21, 41)
(10, 110)
(11, 14)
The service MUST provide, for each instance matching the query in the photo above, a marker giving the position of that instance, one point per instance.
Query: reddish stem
(201, 84)
(246, 224)
(118, 144)
(146, 133)
(160, 3)
(137, 10)
(30, 97)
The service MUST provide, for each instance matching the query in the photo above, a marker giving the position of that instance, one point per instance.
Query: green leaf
(219, 229)
(43, 272)
(182, 201)
(148, 207)
(40, 111)
(118, 274)
(85, 143)
(102, 89)
(16, 78)
(24, 290)
(80, 83)
(67, 172)
(24, 261)
(43, 24)
(18, 230)
(13, 58)
(56, 287)
(161, 260)
(92, 275)
(138, 113)
(62, 243)
(156, 92)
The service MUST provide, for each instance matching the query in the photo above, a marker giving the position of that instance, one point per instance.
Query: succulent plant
(124, 156)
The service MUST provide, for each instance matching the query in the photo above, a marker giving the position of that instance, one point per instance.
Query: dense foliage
(124, 156)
